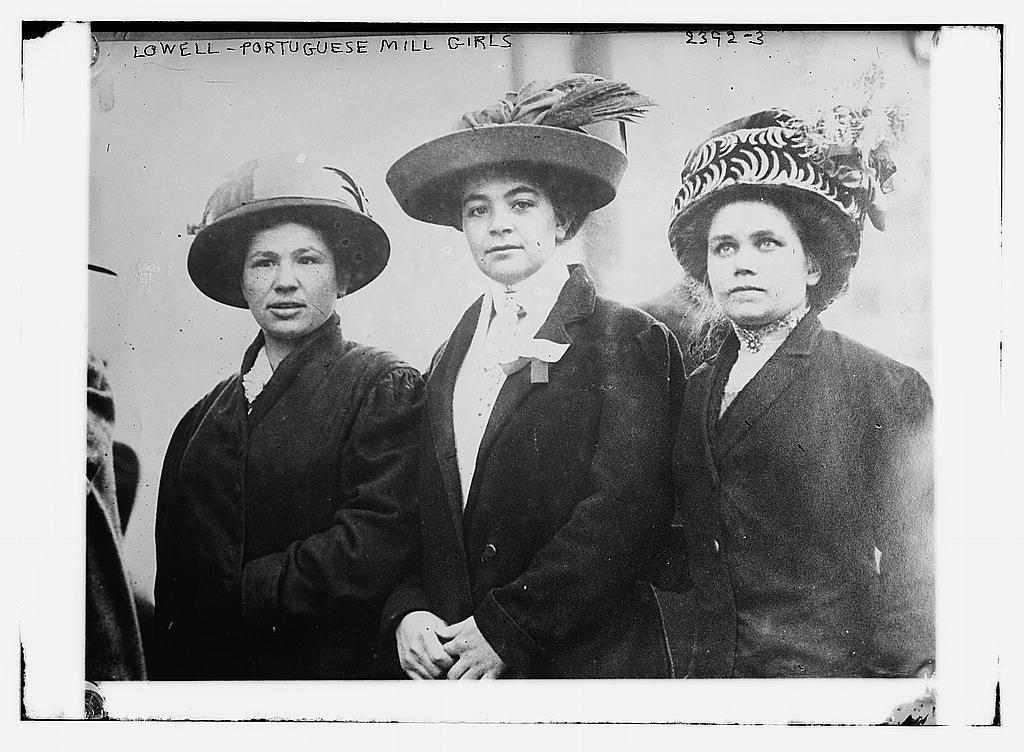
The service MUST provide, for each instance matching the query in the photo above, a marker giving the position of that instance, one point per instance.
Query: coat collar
(575, 302)
(314, 346)
(767, 386)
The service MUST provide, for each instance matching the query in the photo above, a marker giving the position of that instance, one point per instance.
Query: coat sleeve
(901, 477)
(362, 555)
(409, 595)
(593, 561)
(170, 573)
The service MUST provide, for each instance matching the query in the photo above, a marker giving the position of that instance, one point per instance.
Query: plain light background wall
(166, 128)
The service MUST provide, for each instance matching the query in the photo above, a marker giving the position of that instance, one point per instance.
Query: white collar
(536, 294)
(255, 379)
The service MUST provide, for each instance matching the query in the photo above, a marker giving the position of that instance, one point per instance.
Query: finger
(417, 662)
(460, 667)
(429, 650)
(410, 667)
(455, 648)
(413, 671)
(437, 655)
(475, 671)
(448, 632)
(428, 668)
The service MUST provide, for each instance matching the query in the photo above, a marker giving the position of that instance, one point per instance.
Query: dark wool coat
(572, 485)
(113, 645)
(805, 513)
(280, 532)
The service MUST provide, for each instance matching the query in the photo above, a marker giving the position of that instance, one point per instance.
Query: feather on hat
(543, 124)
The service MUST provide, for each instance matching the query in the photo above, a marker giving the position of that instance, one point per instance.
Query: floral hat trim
(845, 157)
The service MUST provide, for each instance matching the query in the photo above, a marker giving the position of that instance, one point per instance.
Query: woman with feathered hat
(545, 475)
(286, 499)
(803, 468)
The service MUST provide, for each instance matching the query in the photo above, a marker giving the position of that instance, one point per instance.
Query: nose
(745, 260)
(501, 221)
(286, 278)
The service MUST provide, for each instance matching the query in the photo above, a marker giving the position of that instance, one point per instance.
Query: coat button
(715, 546)
(489, 552)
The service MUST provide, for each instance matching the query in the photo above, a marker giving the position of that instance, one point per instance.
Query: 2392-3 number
(724, 37)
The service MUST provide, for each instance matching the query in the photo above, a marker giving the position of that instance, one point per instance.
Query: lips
(499, 248)
(746, 288)
(286, 305)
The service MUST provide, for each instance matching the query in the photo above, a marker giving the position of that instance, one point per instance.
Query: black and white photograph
(444, 353)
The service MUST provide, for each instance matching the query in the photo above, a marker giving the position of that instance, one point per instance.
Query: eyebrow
(518, 189)
(522, 189)
(754, 234)
(278, 254)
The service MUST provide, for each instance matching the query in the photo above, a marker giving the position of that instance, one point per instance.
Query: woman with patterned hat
(545, 454)
(803, 466)
(285, 503)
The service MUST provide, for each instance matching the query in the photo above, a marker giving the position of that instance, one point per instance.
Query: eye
(522, 204)
(475, 210)
(722, 249)
(260, 263)
(310, 259)
(769, 244)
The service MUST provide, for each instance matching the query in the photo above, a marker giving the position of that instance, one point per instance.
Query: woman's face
(757, 267)
(289, 281)
(510, 225)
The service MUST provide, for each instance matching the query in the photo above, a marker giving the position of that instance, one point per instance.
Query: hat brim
(425, 181)
(360, 246)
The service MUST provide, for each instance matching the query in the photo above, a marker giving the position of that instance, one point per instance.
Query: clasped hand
(428, 648)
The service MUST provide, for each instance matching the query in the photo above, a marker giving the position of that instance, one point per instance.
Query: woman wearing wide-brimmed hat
(286, 495)
(545, 475)
(803, 469)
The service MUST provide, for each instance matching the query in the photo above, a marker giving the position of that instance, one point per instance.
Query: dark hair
(559, 188)
(831, 240)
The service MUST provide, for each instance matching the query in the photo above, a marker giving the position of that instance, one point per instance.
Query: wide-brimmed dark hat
(544, 125)
(772, 152)
(284, 188)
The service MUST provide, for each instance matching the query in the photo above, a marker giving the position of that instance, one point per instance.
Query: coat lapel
(290, 368)
(700, 388)
(440, 391)
(575, 302)
(768, 384)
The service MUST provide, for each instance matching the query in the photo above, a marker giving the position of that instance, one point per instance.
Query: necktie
(501, 337)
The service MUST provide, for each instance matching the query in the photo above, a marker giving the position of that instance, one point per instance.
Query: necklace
(753, 339)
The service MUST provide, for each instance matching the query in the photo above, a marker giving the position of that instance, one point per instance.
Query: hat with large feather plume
(546, 125)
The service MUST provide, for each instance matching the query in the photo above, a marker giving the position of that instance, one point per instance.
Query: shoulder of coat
(872, 371)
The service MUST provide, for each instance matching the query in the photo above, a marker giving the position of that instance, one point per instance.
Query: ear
(562, 223)
(342, 277)
(813, 270)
